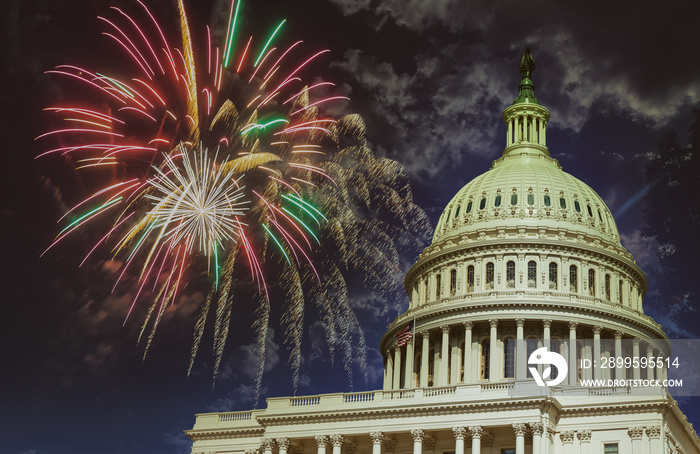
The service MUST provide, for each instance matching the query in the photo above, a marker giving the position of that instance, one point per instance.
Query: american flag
(403, 336)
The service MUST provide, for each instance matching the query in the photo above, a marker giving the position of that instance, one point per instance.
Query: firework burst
(283, 180)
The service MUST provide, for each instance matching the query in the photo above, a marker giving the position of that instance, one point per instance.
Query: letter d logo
(543, 356)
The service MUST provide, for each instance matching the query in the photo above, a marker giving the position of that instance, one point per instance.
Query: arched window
(620, 290)
(562, 203)
(489, 276)
(514, 199)
(573, 278)
(457, 211)
(470, 278)
(497, 201)
(577, 206)
(531, 345)
(482, 204)
(453, 282)
(553, 271)
(532, 274)
(531, 199)
(509, 358)
(510, 274)
(438, 286)
(485, 358)
(469, 207)
(607, 287)
(590, 212)
(547, 200)
(591, 281)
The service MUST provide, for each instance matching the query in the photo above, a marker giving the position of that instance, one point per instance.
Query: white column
(322, 442)
(337, 441)
(519, 429)
(397, 368)
(635, 434)
(460, 434)
(567, 440)
(573, 348)
(520, 349)
(425, 352)
(444, 351)
(377, 439)
(636, 371)
(584, 439)
(536, 428)
(493, 351)
(418, 436)
(546, 337)
(267, 444)
(389, 375)
(283, 445)
(477, 432)
(467, 353)
(620, 371)
(654, 434)
(516, 135)
(543, 136)
(596, 351)
(408, 373)
(650, 356)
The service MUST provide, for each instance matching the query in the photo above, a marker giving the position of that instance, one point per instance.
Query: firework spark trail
(223, 152)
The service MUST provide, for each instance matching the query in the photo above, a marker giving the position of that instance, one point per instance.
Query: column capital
(572, 326)
(519, 322)
(567, 437)
(597, 329)
(493, 322)
(635, 342)
(584, 436)
(650, 350)
(547, 322)
(537, 428)
(520, 429)
(635, 433)
(388, 352)
(476, 431)
(653, 431)
(322, 440)
(377, 437)
(468, 324)
(460, 432)
(425, 334)
(283, 442)
(410, 342)
(337, 440)
(267, 443)
(418, 434)
(445, 329)
(618, 334)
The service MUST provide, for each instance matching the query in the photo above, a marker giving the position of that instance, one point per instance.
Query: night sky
(429, 77)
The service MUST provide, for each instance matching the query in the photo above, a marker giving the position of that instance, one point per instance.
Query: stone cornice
(408, 409)
(214, 434)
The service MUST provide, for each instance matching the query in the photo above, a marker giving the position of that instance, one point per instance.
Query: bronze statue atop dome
(527, 64)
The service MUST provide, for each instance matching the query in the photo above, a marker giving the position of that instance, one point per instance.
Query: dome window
(590, 212)
(489, 276)
(591, 282)
(497, 201)
(577, 206)
(469, 207)
(531, 199)
(509, 358)
(620, 290)
(482, 204)
(457, 211)
(573, 278)
(600, 216)
(562, 203)
(607, 287)
(485, 358)
(470, 278)
(514, 199)
(510, 274)
(453, 282)
(547, 200)
(553, 276)
(438, 286)
(532, 274)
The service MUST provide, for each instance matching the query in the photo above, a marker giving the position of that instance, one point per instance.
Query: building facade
(524, 257)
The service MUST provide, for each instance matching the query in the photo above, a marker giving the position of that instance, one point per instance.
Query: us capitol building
(525, 256)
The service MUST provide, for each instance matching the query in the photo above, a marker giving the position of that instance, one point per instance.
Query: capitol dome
(523, 253)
